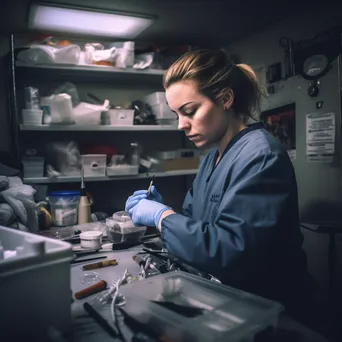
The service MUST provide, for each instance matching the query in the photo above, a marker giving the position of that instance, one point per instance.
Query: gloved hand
(141, 194)
(155, 195)
(147, 212)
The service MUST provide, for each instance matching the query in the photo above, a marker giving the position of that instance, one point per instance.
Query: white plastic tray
(35, 295)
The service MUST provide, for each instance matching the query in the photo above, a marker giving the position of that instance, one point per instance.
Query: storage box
(158, 97)
(33, 167)
(35, 292)
(122, 170)
(178, 164)
(94, 165)
(163, 112)
(180, 153)
(227, 314)
(121, 117)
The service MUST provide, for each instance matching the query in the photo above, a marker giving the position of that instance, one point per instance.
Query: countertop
(86, 329)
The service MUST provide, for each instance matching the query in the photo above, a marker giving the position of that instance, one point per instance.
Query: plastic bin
(35, 292)
(94, 165)
(121, 117)
(32, 117)
(158, 97)
(33, 167)
(163, 112)
(228, 314)
(64, 205)
(120, 229)
(122, 170)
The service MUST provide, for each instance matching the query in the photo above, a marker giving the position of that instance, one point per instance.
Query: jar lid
(121, 216)
(65, 193)
(90, 235)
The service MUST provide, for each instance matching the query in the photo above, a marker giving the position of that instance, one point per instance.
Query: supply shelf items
(83, 73)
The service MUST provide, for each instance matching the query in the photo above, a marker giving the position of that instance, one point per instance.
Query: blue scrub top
(240, 220)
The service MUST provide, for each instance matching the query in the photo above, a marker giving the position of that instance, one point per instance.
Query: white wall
(324, 181)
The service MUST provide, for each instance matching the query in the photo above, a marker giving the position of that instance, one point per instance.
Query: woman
(240, 220)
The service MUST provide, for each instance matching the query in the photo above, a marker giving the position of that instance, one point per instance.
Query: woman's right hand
(142, 194)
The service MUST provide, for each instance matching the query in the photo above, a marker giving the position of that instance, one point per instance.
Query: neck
(233, 129)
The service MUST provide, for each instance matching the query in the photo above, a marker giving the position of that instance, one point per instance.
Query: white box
(33, 167)
(121, 117)
(94, 165)
(158, 97)
(122, 170)
(32, 117)
(163, 111)
(35, 291)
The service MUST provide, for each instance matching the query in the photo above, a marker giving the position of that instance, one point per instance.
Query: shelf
(67, 179)
(98, 128)
(89, 71)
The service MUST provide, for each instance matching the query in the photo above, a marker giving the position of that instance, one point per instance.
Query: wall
(320, 182)
(4, 123)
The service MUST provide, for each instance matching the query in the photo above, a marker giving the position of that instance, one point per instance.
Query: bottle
(84, 212)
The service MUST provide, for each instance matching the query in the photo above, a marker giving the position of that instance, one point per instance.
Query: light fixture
(86, 21)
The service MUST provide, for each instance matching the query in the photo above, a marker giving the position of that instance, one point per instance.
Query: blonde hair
(214, 74)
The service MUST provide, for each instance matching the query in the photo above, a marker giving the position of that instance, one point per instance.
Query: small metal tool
(150, 187)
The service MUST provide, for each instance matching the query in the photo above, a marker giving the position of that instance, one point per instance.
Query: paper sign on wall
(320, 137)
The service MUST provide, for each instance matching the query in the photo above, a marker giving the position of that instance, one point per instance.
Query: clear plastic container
(226, 313)
(64, 206)
(158, 97)
(120, 229)
(163, 112)
(34, 286)
(33, 167)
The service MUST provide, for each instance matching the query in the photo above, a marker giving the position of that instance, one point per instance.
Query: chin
(201, 144)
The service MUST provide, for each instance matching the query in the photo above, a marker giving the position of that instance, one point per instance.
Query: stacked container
(160, 108)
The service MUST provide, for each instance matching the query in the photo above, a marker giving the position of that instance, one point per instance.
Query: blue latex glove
(155, 195)
(147, 213)
(141, 194)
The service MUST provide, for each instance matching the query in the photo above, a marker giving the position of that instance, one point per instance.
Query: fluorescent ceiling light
(87, 22)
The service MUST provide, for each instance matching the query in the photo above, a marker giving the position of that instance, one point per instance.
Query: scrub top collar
(232, 142)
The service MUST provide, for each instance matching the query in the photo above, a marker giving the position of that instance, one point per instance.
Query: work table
(86, 329)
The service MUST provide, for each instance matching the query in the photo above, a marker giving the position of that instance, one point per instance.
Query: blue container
(64, 205)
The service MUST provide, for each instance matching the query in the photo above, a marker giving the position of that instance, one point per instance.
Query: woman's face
(203, 121)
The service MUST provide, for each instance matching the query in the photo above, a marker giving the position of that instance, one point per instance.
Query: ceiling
(196, 22)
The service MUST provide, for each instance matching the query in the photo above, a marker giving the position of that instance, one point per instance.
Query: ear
(228, 99)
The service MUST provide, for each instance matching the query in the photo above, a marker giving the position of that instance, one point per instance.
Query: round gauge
(315, 66)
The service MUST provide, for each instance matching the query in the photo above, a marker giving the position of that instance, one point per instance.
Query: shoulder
(260, 145)
(259, 150)
(261, 141)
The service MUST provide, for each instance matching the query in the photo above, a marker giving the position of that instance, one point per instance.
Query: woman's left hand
(146, 212)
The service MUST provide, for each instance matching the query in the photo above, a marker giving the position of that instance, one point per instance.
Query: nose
(183, 123)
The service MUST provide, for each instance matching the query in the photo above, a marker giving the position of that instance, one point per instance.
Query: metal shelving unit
(67, 179)
(61, 128)
(92, 69)
(84, 73)
(89, 73)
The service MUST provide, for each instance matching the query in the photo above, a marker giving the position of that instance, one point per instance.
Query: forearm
(209, 247)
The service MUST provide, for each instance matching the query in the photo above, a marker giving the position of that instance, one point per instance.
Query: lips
(192, 136)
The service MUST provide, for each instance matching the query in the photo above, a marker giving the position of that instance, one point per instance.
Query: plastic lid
(64, 193)
(121, 216)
